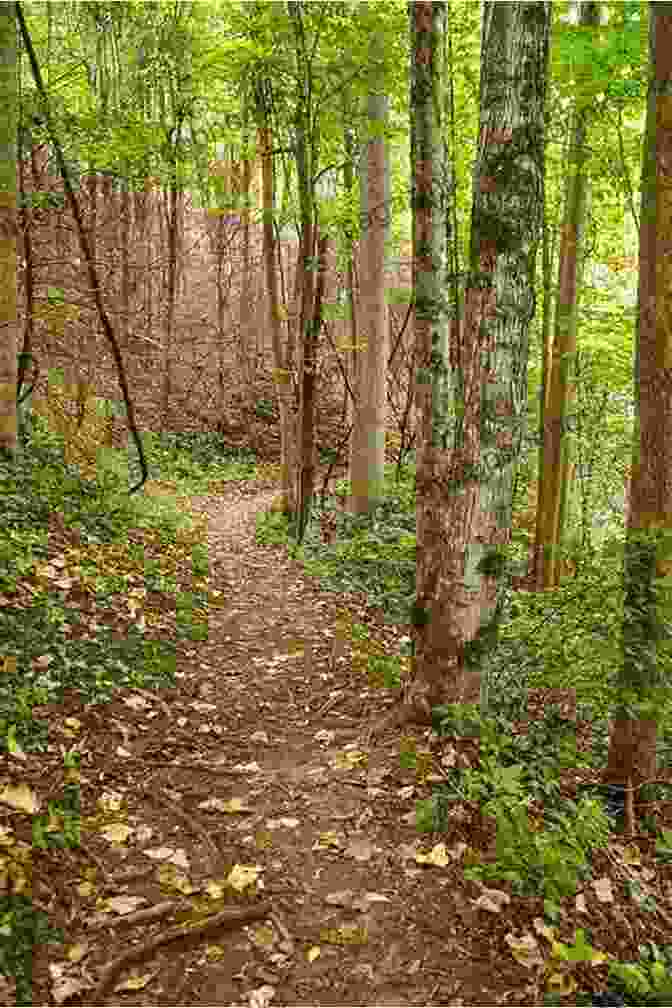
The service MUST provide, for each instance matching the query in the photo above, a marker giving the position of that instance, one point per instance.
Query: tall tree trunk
(367, 446)
(281, 372)
(8, 234)
(465, 475)
(305, 156)
(556, 468)
(647, 611)
(350, 354)
(245, 362)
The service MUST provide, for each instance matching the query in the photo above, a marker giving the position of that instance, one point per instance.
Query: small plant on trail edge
(22, 929)
(646, 982)
(551, 862)
(515, 770)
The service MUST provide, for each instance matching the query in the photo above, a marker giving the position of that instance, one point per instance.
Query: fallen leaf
(235, 806)
(342, 898)
(438, 856)
(123, 904)
(287, 822)
(326, 840)
(76, 953)
(562, 984)
(20, 797)
(242, 876)
(360, 850)
(543, 929)
(116, 833)
(261, 997)
(602, 889)
(525, 950)
(492, 900)
(135, 982)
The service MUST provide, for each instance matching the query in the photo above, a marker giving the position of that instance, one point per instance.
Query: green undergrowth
(567, 638)
(97, 592)
(137, 561)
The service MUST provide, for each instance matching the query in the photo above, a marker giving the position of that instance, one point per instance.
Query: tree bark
(367, 446)
(647, 613)
(8, 234)
(556, 469)
(281, 373)
(466, 466)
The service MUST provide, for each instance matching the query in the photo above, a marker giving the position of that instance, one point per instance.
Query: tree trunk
(350, 352)
(8, 234)
(465, 469)
(367, 446)
(647, 612)
(281, 373)
(556, 467)
(245, 343)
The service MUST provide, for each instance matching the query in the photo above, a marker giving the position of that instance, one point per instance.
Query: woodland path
(256, 768)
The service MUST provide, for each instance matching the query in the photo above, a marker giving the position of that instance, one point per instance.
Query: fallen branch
(229, 918)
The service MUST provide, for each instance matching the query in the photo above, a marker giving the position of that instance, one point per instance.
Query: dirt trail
(255, 771)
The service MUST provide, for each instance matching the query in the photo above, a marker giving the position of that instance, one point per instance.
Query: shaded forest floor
(244, 841)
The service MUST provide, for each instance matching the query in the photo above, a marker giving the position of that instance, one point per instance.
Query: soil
(252, 800)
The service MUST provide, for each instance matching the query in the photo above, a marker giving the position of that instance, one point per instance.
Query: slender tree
(281, 372)
(8, 232)
(367, 448)
(554, 477)
(305, 153)
(647, 614)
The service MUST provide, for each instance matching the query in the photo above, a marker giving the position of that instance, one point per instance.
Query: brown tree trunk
(647, 612)
(465, 467)
(556, 468)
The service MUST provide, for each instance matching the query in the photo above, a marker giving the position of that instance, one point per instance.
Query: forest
(336, 488)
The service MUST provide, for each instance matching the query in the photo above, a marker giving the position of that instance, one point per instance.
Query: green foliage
(650, 978)
(22, 929)
(513, 771)
(273, 529)
(548, 861)
(60, 826)
(196, 458)
(374, 553)
(42, 649)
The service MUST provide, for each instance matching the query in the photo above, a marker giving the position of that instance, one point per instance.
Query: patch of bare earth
(253, 848)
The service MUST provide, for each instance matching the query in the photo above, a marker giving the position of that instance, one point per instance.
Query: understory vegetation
(100, 590)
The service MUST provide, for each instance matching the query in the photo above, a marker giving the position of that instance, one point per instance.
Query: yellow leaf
(242, 876)
(21, 798)
(327, 839)
(77, 952)
(263, 936)
(525, 950)
(560, 983)
(116, 833)
(313, 953)
(632, 855)
(235, 806)
(135, 982)
(438, 856)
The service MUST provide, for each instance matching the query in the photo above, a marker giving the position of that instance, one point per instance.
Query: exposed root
(400, 715)
(232, 917)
